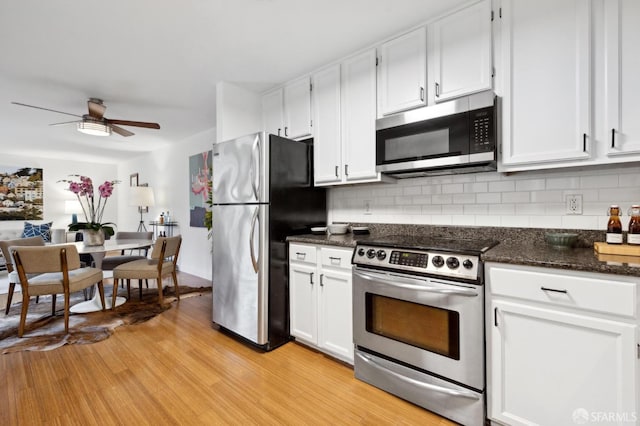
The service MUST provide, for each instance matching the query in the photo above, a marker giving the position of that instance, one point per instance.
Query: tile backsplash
(525, 199)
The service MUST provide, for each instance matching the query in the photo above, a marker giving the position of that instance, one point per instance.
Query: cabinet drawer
(302, 253)
(582, 290)
(337, 258)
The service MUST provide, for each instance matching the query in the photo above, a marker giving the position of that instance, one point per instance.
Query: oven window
(433, 329)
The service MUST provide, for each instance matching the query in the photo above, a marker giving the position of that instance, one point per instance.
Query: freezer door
(240, 270)
(239, 170)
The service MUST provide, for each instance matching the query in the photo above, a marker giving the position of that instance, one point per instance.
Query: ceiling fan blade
(96, 108)
(46, 109)
(134, 123)
(121, 131)
(65, 122)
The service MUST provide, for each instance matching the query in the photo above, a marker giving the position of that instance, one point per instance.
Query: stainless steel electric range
(418, 328)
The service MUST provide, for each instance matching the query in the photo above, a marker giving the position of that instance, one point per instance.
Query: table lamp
(73, 207)
(142, 197)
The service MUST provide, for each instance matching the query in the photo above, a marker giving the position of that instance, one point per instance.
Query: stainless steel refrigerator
(262, 192)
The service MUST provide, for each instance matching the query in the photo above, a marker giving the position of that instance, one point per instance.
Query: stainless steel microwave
(457, 136)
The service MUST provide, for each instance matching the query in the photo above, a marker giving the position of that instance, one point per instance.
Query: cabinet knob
(422, 94)
(437, 91)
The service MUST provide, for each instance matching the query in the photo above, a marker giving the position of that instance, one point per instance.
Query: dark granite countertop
(517, 246)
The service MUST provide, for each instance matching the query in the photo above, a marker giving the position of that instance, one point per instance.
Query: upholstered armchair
(52, 270)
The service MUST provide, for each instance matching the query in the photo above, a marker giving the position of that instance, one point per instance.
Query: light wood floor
(177, 369)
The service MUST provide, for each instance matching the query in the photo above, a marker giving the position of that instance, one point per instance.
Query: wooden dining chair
(163, 260)
(13, 274)
(52, 270)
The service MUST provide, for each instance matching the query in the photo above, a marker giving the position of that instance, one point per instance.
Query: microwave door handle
(252, 170)
(427, 386)
(411, 284)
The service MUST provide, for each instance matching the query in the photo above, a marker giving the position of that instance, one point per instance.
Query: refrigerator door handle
(254, 148)
(254, 261)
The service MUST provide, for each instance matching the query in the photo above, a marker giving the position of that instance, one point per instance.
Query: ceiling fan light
(95, 129)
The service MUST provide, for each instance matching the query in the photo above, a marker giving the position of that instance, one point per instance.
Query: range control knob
(381, 254)
(371, 253)
(452, 262)
(361, 252)
(467, 264)
(437, 261)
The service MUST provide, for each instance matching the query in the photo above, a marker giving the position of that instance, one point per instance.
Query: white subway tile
(439, 180)
(515, 197)
(403, 200)
(396, 190)
(487, 176)
(464, 198)
(602, 181)
(502, 186)
(489, 198)
(563, 183)
(432, 189)
(530, 185)
(476, 187)
(476, 209)
(502, 209)
(441, 219)
(485, 220)
(463, 220)
(442, 199)
(530, 209)
(555, 209)
(515, 221)
(462, 178)
(453, 209)
(412, 190)
(620, 196)
(432, 209)
(546, 221)
(452, 188)
(385, 201)
(580, 222)
(421, 199)
(547, 197)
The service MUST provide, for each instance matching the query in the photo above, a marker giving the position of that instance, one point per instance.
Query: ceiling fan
(95, 123)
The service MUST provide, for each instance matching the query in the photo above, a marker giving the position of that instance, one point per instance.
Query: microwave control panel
(482, 130)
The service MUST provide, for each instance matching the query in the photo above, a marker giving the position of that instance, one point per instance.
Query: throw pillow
(32, 230)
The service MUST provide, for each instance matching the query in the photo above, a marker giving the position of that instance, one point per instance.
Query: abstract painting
(21, 193)
(200, 174)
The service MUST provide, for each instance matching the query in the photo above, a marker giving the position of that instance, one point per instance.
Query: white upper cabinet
(327, 141)
(403, 71)
(297, 108)
(273, 113)
(286, 111)
(460, 52)
(547, 84)
(358, 115)
(622, 71)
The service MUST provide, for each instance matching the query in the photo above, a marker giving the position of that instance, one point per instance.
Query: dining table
(98, 253)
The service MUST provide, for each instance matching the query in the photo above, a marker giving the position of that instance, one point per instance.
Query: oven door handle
(409, 284)
(427, 386)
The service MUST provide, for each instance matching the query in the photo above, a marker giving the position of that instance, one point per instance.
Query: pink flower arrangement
(93, 211)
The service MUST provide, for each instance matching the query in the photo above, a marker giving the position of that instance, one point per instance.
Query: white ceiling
(159, 61)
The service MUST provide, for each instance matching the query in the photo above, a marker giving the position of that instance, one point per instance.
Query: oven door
(432, 324)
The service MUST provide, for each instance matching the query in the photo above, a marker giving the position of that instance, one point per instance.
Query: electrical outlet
(574, 204)
(367, 206)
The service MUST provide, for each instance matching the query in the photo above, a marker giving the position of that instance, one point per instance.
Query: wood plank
(619, 249)
(178, 369)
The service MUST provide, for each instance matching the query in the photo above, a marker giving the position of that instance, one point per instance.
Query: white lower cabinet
(560, 351)
(320, 298)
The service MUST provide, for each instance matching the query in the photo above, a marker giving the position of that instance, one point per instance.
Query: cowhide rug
(45, 332)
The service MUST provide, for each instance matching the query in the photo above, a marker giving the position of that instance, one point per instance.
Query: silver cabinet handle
(254, 219)
(553, 290)
(346, 170)
(311, 278)
(411, 284)
(422, 94)
(321, 283)
(254, 147)
(453, 392)
(301, 256)
(437, 90)
(337, 171)
(286, 131)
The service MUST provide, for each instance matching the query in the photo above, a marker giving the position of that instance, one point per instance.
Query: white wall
(55, 193)
(527, 199)
(238, 111)
(166, 170)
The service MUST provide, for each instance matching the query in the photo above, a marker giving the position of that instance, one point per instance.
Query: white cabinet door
(403, 71)
(622, 71)
(297, 108)
(547, 367)
(303, 302)
(359, 116)
(460, 49)
(327, 141)
(272, 112)
(547, 81)
(335, 332)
